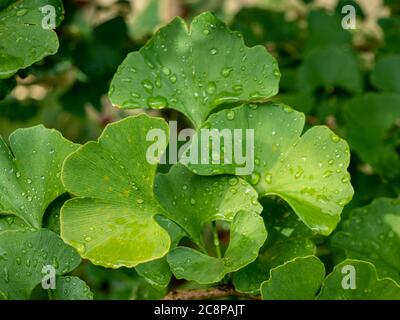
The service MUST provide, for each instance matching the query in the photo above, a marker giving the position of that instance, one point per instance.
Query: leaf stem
(216, 239)
(207, 294)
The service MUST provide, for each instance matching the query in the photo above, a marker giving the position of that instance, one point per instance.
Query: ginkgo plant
(104, 202)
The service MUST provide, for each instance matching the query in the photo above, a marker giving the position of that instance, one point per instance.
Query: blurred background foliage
(348, 80)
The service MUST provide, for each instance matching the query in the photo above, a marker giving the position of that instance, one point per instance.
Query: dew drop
(254, 178)
(21, 12)
(335, 138)
(166, 71)
(225, 72)
(211, 87)
(233, 181)
(268, 178)
(213, 51)
(230, 115)
(157, 102)
(288, 109)
(237, 88)
(148, 86)
(173, 78)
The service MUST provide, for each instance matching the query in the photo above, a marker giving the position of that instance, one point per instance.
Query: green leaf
(193, 201)
(367, 284)
(369, 120)
(11, 223)
(386, 74)
(71, 288)
(51, 219)
(390, 27)
(30, 175)
(298, 279)
(288, 238)
(194, 71)
(262, 26)
(24, 254)
(247, 236)
(23, 40)
(309, 172)
(157, 273)
(330, 67)
(324, 30)
(372, 233)
(205, 199)
(111, 221)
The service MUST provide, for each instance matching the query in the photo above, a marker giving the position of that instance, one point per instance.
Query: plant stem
(207, 294)
(216, 239)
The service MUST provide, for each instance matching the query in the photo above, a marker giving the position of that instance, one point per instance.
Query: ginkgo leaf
(30, 175)
(369, 119)
(325, 29)
(193, 201)
(298, 279)
(357, 280)
(71, 288)
(158, 273)
(247, 236)
(12, 222)
(194, 70)
(288, 238)
(111, 221)
(330, 67)
(308, 171)
(24, 254)
(26, 33)
(386, 73)
(372, 233)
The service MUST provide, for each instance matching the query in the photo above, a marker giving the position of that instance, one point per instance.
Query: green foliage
(23, 255)
(23, 40)
(313, 219)
(369, 120)
(367, 285)
(110, 222)
(286, 284)
(30, 179)
(372, 233)
(309, 172)
(194, 71)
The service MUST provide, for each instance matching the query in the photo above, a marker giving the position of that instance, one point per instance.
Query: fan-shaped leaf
(367, 286)
(308, 171)
(72, 288)
(288, 238)
(386, 74)
(23, 39)
(369, 119)
(372, 233)
(298, 279)
(194, 71)
(192, 201)
(24, 253)
(30, 174)
(111, 222)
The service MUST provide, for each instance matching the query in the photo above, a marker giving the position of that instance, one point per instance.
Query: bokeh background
(348, 80)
